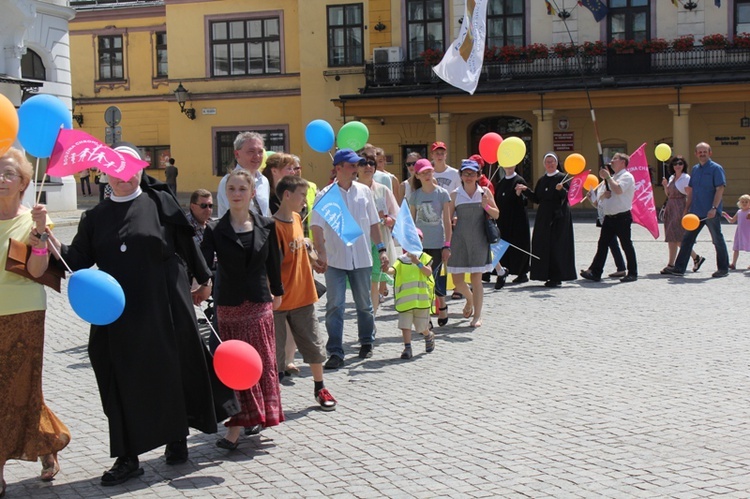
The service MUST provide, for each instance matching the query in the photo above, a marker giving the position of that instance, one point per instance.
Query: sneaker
(406, 354)
(697, 262)
(365, 351)
(429, 342)
(325, 400)
(333, 362)
(619, 273)
(587, 274)
(720, 273)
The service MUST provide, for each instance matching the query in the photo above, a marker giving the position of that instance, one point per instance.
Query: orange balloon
(690, 222)
(591, 182)
(8, 124)
(575, 164)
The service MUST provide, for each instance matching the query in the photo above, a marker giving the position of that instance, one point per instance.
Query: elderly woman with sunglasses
(387, 208)
(676, 189)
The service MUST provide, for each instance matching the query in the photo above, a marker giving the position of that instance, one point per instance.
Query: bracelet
(39, 251)
(446, 247)
(446, 244)
(420, 265)
(380, 246)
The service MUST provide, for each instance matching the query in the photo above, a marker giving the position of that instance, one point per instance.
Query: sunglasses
(679, 163)
(205, 205)
(368, 163)
(410, 163)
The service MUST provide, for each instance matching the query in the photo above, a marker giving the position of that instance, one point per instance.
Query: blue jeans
(359, 280)
(686, 247)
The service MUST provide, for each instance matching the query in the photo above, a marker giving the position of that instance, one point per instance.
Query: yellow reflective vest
(413, 290)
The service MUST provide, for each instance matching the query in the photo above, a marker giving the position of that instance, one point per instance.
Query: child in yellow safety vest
(414, 296)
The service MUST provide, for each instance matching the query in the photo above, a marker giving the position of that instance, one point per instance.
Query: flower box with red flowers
(431, 57)
(683, 43)
(536, 51)
(564, 50)
(654, 45)
(593, 48)
(624, 46)
(716, 41)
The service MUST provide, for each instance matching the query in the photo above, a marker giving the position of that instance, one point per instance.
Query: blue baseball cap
(469, 164)
(346, 155)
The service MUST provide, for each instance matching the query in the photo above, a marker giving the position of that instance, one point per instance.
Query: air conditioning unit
(387, 54)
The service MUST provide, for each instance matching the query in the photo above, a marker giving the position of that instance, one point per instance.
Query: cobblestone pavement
(590, 390)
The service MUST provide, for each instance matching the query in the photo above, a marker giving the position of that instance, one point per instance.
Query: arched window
(32, 66)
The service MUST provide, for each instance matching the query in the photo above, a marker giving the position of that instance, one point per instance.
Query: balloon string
(59, 256)
(36, 173)
(208, 321)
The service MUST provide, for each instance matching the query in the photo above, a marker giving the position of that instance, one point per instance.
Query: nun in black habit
(150, 363)
(552, 240)
(514, 224)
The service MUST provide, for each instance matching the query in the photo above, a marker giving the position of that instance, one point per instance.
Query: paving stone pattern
(590, 390)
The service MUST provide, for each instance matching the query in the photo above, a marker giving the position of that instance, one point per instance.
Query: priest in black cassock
(514, 224)
(150, 363)
(552, 240)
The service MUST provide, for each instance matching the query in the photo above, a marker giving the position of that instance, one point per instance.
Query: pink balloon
(488, 145)
(237, 364)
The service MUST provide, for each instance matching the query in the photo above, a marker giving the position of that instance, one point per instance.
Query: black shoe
(673, 271)
(500, 282)
(365, 351)
(552, 284)
(253, 430)
(587, 274)
(629, 278)
(333, 362)
(176, 452)
(442, 322)
(486, 276)
(520, 279)
(720, 273)
(124, 469)
(223, 443)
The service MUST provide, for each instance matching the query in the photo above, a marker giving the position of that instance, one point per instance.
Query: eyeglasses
(204, 205)
(369, 162)
(9, 176)
(410, 163)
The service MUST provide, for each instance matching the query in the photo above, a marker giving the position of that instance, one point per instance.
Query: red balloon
(237, 364)
(488, 145)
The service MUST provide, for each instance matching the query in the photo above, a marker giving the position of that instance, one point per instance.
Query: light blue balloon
(96, 296)
(319, 135)
(40, 119)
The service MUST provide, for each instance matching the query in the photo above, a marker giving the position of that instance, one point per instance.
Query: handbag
(663, 212)
(18, 255)
(491, 230)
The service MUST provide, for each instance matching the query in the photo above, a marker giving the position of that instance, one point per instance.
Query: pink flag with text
(644, 209)
(75, 150)
(575, 189)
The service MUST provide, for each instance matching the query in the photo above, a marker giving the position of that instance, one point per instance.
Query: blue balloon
(96, 296)
(319, 135)
(40, 119)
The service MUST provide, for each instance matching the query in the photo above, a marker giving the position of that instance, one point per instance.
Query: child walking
(414, 296)
(297, 304)
(742, 235)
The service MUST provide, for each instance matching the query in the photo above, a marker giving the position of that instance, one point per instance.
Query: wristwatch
(713, 207)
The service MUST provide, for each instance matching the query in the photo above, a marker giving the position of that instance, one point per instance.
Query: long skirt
(28, 429)
(253, 324)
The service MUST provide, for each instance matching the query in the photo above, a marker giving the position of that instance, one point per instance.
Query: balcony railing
(409, 73)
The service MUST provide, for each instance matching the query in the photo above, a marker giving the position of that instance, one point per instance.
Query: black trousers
(615, 226)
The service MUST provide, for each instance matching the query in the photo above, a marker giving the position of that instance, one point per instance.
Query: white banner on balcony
(462, 62)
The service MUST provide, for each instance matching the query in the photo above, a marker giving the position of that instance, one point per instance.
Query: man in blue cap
(340, 262)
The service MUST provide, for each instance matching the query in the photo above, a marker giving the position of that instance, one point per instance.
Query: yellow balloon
(575, 164)
(663, 152)
(591, 182)
(263, 161)
(511, 151)
(690, 221)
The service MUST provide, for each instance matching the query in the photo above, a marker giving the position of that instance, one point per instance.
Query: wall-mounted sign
(563, 123)
(729, 140)
(563, 141)
(208, 111)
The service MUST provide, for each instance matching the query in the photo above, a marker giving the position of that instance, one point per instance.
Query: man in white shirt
(248, 151)
(617, 219)
(445, 175)
(340, 262)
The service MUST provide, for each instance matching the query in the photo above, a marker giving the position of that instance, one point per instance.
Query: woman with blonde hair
(28, 429)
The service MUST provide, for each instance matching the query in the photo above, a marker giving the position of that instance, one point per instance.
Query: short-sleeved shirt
(449, 180)
(623, 202)
(296, 272)
(429, 215)
(360, 203)
(704, 179)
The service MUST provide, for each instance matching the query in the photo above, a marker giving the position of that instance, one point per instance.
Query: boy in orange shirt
(297, 304)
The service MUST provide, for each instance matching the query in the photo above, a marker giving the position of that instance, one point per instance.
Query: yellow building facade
(274, 66)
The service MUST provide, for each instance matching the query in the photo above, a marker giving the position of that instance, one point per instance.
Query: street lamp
(182, 95)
